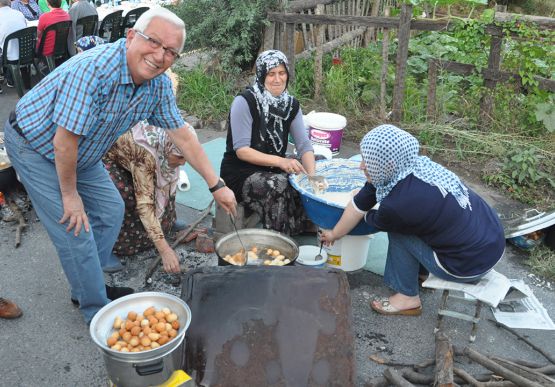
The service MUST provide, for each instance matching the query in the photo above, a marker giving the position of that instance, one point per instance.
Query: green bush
(205, 95)
(233, 27)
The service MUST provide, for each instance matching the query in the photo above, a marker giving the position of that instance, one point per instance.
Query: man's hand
(74, 212)
(226, 198)
(65, 158)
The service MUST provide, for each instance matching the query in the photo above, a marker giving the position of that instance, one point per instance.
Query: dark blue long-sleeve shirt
(466, 242)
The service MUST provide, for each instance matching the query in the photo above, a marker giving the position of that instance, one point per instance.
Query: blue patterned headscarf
(87, 42)
(391, 154)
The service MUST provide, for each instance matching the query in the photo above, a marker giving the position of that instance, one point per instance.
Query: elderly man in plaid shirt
(61, 129)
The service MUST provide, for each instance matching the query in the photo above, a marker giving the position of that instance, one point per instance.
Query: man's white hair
(158, 12)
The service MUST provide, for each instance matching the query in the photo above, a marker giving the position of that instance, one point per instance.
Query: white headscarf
(391, 154)
(275, 110)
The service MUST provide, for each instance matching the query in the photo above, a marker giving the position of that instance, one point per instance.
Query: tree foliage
(233, 27)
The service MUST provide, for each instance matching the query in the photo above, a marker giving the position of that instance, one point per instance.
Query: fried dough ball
(143, 332)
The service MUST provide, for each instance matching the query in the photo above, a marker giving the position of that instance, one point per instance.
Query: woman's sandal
(382, 306)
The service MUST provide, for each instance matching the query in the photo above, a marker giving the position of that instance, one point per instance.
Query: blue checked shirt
(93, 96)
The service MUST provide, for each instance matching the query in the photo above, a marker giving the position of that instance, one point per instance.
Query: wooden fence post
(401, 66)
(269, 36)
(385, 65)
(370, 31)
(432, 84)
(494, 65)
(318, 57)
(290, 49)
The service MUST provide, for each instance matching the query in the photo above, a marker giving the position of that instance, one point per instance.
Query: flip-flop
(382, 306)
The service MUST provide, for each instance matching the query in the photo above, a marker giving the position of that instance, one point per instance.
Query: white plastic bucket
(326, 129)
(349, 253)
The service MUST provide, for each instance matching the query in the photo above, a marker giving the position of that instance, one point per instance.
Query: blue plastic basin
(343, 176)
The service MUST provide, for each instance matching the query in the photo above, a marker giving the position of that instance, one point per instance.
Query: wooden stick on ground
(396, 378)
(21, 224)
(467, 378)
(498, 369)
(180, 236)
(444, 361)
(520, 337)
(528, 373)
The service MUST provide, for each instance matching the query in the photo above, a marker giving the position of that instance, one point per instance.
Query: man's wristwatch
(219, 184)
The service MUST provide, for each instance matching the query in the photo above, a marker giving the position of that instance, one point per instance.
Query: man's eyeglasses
(169, 52)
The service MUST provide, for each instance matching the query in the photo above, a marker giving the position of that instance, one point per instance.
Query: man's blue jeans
(83, 256)
(405, 254)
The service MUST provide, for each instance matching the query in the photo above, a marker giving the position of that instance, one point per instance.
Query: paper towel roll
(183, 183)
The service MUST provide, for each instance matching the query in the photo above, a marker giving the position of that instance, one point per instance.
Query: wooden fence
(280, 35)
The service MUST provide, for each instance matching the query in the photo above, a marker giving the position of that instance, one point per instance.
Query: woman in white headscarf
(255, 166)
(432, 219)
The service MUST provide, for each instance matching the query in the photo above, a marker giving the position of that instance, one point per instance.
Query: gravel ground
(51, 346)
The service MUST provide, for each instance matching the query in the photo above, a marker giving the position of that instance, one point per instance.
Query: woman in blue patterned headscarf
(434, 222)
(85, 43)
(255, 165)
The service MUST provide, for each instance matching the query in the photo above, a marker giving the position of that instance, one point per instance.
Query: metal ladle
(240, 241)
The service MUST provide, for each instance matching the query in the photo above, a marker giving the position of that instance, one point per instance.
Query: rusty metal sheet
(269, 326)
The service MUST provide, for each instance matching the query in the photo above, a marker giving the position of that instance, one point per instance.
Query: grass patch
(542, 262)
(207, 96)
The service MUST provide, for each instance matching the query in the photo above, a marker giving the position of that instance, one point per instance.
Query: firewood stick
(396, 378)
(182, 235)
(425, 364)
(383, 361)
(444, 361)
(498, 369)
(528, 373)
(417, 378)
(467, 378)
(528, 363)
(520, 337)
(546, 369)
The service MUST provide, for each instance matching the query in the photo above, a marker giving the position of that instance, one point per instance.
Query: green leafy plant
(545, 112)
(525, 167)
(233, 27)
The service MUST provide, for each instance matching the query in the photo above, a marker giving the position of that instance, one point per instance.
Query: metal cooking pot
(138, 369)
(261, 238)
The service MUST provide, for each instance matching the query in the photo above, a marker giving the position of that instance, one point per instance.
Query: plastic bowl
(307, 253)
(342, 176)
